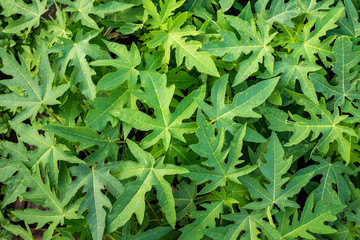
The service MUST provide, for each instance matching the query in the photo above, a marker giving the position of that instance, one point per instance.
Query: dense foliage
(174, 119)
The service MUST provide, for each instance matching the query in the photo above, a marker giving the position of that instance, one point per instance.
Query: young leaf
(276, 167)
(158, 96)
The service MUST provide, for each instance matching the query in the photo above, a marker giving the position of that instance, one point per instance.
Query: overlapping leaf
(31, 97)
(252, 41)
(166, 124)
(222, 163)
(242, 106)
(87, 138)
(82, 9)
(174, 37)
(93, 180)
(74, 53)
(329, 125)
(149, 173)
(344, 85)
(274, 192)
(31, 14)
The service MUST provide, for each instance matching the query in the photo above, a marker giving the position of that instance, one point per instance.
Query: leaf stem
(52, 114)
(156, 218)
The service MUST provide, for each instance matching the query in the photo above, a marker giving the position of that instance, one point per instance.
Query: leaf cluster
(174, 119)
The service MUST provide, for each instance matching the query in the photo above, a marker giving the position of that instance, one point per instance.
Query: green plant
(174, 119)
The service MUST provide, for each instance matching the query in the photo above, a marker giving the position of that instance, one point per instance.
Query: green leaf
(32, 96)
(174, 37)
(30, 14)
(275, 193)
(346, 80)
(226, 4)
(184, 199)
(75, 52)
(310, 43)
(82, 9)
(279, 12)
(151, 234)
(332, 175)
(312, 220)
(93, 180)
(242, 106)
(125, 64)
(252, 41)
(222, 163)
(349, 22)
(246, 226)
(203, 219)
(98, 117)
(292, 69)
(329, 125)
(149, 173)
(48, 152)
(166, 124)
(41, 194)
(88, 138)
(166, 10)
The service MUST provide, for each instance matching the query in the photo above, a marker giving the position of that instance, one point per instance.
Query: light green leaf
(310, 43)
(166, 10)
